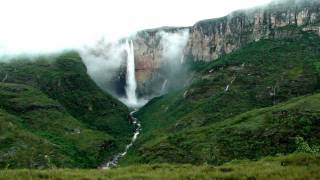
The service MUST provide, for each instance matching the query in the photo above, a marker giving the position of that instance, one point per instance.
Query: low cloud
(173, 60)
(106, 63)
(103, 62)
(173, 45)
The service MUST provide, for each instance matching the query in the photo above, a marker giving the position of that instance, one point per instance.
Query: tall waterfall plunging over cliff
(131, 84)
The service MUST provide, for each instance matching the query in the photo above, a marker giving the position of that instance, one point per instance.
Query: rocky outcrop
(315, 29)
(149, 49)
(210, 39)
(213, 38)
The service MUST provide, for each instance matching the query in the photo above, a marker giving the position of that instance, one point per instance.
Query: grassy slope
(296, 166)
(52, 100)
(201, 123)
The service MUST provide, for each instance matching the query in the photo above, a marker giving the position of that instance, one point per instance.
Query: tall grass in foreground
(294, 166)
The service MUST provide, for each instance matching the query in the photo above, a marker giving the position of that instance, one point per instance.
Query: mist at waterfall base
(107, 64)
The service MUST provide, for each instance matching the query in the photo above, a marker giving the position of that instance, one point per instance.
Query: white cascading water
(164, 85)
(131, 84)
(132, 101)
(114, 161)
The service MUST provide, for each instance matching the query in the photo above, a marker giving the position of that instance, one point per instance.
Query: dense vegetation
(297, 166)
(232, 110)
(262, 100)
(53, 115)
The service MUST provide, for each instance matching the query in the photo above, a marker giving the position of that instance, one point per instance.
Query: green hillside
(53, 115)
(232, 110)
(251, 114)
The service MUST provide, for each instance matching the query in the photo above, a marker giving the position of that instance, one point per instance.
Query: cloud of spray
(172, 57)
(106, 63)
(103, 62)
(173, 45)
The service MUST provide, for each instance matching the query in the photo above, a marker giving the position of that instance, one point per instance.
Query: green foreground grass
(294, 166)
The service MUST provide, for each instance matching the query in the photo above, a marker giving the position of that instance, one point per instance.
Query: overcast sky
(50, 25)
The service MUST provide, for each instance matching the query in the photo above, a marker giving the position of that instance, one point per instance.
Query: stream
(114, 161)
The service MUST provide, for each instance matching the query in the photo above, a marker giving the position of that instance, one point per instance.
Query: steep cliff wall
(213, 38)
(160, 54)
(210, 39)
(154, 56)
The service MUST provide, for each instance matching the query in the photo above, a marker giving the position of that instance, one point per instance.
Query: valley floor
(294, 166)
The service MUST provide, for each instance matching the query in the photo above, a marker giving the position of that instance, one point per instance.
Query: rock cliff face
(210, 39)
(213, 38)
(150, 47)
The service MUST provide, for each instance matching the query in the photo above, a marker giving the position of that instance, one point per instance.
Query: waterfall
(132, 101)
(227, 88)
(164, 85)
(131, 84)
(182, 59)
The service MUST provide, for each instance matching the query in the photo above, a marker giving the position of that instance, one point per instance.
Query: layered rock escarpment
(210, 39)
(213, 38)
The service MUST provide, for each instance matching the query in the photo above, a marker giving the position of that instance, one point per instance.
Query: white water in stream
(132, 101)
(114, 161)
